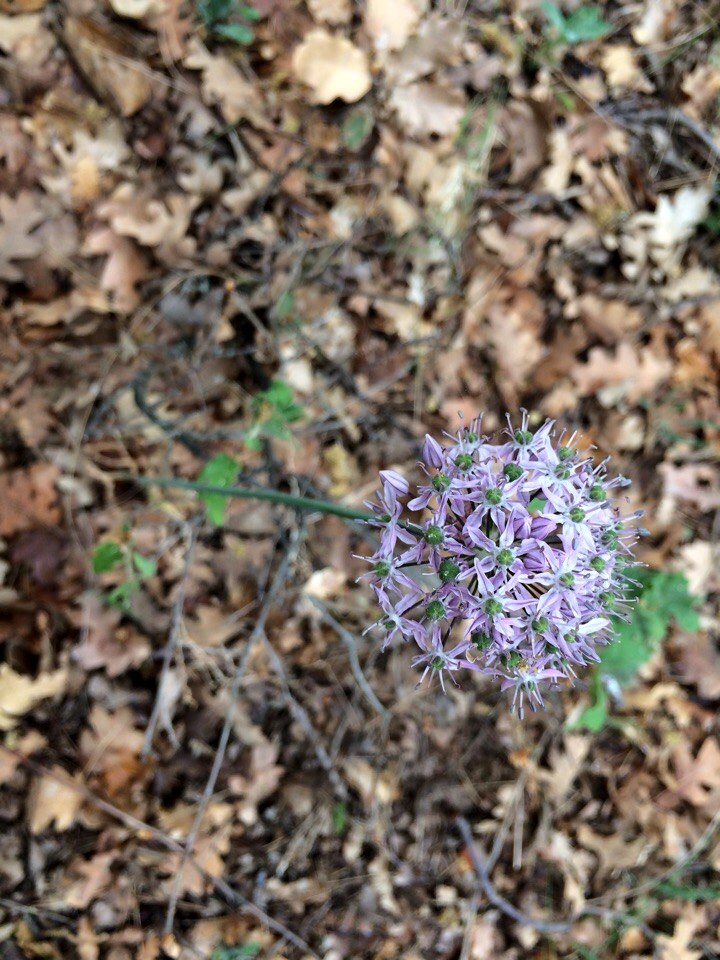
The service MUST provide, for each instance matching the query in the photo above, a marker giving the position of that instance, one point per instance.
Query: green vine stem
(274, 496)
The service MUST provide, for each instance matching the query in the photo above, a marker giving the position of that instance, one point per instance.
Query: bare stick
(148, 830)
(542, 926)
(253, 639)
(351, 646)
(171, 645)
(300, 714)
(480, 867)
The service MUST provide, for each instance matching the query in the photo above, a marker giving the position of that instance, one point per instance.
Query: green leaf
(339, 818)
(249, 13)
(120, 595)
(536, 505)
(554, 15)
(237, 32)
(212, 11)
(220, 471)
(623, 658)
(145, 566)
(671, 890)
(249, 949)
(106, 556)
(356, 128)
(584, 24)
(593, 717)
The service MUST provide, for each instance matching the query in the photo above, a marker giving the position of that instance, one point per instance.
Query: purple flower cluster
(513, 563)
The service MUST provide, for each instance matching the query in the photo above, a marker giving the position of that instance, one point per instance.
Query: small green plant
(220, 471)
(228, 19)
(583, 24)
(660, 597)
(240, 952)
(109, 555)
(274, 410)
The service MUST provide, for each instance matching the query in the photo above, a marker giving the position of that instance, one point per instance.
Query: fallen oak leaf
(51, 800)
(425, 108)
(108, 64)
(28, 498)
(19, 693)
(332, 66)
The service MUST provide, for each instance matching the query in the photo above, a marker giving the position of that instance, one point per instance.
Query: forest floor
(290, 239)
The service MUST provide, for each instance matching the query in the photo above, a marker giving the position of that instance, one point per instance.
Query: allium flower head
(508, 560)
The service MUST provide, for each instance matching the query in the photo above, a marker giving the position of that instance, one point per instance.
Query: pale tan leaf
(425, 108)
(390, 22)
(333, 67)
(52, 802)
(19, 694)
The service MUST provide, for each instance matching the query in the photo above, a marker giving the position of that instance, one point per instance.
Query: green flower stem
(273, 496)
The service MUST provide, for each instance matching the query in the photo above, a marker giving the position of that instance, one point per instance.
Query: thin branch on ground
(255, 637)
(301, 716)
(480, 865)
(351, 646)
(190, 533)
(146, 830)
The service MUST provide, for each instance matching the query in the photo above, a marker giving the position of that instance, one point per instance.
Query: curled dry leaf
(696, 483)
(29, 498)
(390, 22)
(20, 694)
(19, 217)
(627, 374)
(333, 12)
(108, 65)
(52, 802)
(333, 68)
(425, 108)
(223, 85)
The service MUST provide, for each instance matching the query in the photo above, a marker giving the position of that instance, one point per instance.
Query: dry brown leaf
(108, 64)
(390, 22)
(657, 24)
(677, 947)
(262, 781)
(333, 12)
(333, 67)
(613, 851)
(124, 268)
(21, 6)
(52, 802)
(697, 779)
(701, 86)
(610, 320)
(29, 498)
(630, 373)
(661, 235)
(19, 217)
(105, 643)
(137, 9)
(29, 743)
(700, 664)
(565, 765)
(94, 877)
(224, 85)
(19, 694)
(620, 63)
(438, 42)
(25, 38)
(524, 136)
(373, 785)
(695, 483)
(111, 746)
(425, 108)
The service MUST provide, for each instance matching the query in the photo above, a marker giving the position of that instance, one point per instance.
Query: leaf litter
(384, 216)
